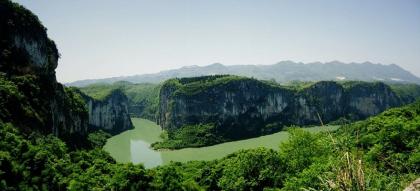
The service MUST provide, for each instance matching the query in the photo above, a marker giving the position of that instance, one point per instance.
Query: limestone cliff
(326, 99)
(110, 113)
(25, 46)
(30, 96)
(28, 59)
(366, 99)
(243, 107)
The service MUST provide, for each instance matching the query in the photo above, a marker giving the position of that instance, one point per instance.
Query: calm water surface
(134, 145)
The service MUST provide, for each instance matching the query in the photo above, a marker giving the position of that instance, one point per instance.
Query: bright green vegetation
(120, 146)
(298, 85)
(190, 136)
(143, 98)
(45, 163)
(98, 91)
(381, 153)
(194, 85)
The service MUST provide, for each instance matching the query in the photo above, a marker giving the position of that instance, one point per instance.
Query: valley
(208, 110)
(208, 131)
(134, 145)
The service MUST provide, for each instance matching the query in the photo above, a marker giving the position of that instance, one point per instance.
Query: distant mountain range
(281, 72)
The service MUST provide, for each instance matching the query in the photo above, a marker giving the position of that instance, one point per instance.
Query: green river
(134, 145)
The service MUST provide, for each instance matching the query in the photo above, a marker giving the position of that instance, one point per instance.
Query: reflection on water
(142, 153)
(134, 145)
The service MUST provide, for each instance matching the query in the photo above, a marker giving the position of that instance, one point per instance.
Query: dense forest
(380, 153)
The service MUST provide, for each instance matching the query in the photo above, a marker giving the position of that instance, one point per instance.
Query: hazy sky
(102, 38)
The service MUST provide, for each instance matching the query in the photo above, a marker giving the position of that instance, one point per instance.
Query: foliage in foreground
(381, 153)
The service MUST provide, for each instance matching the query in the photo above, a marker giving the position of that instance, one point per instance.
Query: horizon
(190, 66)
(111, 39)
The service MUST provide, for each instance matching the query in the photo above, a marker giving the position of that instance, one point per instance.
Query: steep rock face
(165, 97)
(323, 100)
(25, 46)
(110, 114)
(142, 98)
(229, 106)
(69, 118)
(32, 99)
(366, 99)
(28, 59)
(245, 107)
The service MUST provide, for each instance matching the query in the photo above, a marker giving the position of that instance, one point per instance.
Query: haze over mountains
(281, 72)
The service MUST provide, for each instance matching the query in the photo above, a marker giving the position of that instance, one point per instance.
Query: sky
(103, 38)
